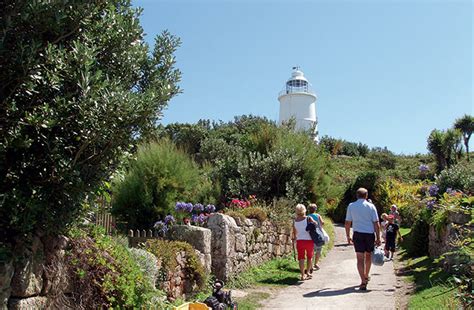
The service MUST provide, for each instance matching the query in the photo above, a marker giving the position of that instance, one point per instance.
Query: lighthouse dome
(297, 83)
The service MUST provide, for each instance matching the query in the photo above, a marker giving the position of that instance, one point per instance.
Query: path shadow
(341, 245)
(291, 280)
(326, 293)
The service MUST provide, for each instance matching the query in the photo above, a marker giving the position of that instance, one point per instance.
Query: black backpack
(315, 233)
(212, 302)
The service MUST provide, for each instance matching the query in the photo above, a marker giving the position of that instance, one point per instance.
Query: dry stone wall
(441, 241)
(37, 277)
(177, 283)
(239, 244)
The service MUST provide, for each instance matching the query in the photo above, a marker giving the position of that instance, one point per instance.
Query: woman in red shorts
(304, 243)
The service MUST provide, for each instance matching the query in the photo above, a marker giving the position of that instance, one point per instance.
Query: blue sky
(386, 72)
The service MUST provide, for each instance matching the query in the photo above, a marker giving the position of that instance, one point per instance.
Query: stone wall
(237, 245)
(198, 237)
(441, 241)
(37, 278)
(177, 283)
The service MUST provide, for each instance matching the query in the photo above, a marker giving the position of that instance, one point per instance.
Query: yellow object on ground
(192, 306)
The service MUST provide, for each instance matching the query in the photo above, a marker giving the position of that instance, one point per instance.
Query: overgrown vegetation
(107, 274)
(160, 176)
(253, 156)
(78, 85)
(166, 252)
(434, 287)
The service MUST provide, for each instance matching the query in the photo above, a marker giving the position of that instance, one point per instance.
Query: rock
(6, 275)
(205, 260)
(37, 303)
(240, 243)
(28, 277)
(459, 217)
(198, 237)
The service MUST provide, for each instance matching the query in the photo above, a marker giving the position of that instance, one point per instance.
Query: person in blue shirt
(318, 219)
(362, 216)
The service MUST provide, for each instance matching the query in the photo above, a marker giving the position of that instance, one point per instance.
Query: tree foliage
(445, 146)
(466, 125)
(159, 177)
(253, 156)
(77, 86)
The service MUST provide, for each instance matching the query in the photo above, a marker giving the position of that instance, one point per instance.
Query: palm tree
(435, 146)
(444, 145)
(466, 125)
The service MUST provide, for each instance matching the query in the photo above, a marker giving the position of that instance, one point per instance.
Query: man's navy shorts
(363, 242)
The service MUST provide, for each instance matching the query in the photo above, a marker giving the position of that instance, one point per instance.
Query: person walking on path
(304, 243)
(318, 219)
(363, 217)
(392, 231)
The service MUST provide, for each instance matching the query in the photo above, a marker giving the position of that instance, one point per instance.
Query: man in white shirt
(363, 217)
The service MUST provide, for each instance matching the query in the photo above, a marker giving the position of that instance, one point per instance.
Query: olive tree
(78, 85)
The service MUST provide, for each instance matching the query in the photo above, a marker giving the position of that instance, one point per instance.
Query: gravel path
(335, 285)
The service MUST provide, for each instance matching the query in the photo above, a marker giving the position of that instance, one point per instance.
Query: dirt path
(335, 285)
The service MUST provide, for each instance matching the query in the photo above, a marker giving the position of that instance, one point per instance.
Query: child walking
(392, 230)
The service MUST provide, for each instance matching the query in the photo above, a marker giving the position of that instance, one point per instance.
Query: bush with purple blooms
(161, 227)
(198, 213)
(423, 168)
(433, 190)
(430, 204)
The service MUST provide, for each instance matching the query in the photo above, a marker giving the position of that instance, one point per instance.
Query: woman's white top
(301, 233)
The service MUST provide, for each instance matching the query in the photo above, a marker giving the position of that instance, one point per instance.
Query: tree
(78, 85)
(466, 125)
(159, 177)
(444, 145)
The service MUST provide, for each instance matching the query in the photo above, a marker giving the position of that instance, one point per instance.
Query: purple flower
(189, 207)
(210, 208)
(433, 190)
(159, 225)
(430, 204)
(194, 218)
(423, 168)
(179, 206)
(451, 191)
(169, 219)
(198, 208)
(202, 218)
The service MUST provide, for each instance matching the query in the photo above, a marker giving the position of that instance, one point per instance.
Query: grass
(252, 301)
(434, 288)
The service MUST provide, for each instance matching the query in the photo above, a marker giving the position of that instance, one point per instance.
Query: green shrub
(165, 251)
(419, 235)
(160, 176)
(459, 177)
(148, 264)
(405, 195)
(106, 272)
(368, 180)
(255, 213)
(78, 86)
(236, 215)
(253, 156)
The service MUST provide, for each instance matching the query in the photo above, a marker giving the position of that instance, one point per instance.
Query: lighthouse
(298, 102)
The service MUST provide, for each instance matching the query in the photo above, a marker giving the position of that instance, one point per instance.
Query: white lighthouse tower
(298, 102)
